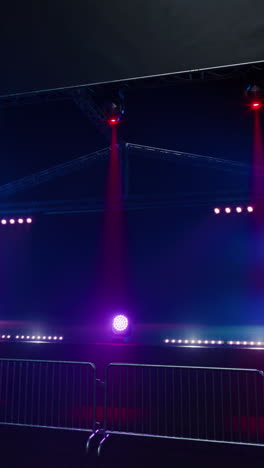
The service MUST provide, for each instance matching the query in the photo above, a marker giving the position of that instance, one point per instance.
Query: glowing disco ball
(120, 324)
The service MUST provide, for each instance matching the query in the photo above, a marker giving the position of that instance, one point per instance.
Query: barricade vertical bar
(6, 392)
(262, 382)
(135, 398)
(13, 391)
(213, 399)
(150, 406)
(239, 409)
(112, 406)
(119, 409)
(46, 394)
(19, 390)
(59, 391)
(73, 394)
(157, 399)
(26, 392)
(205, 405)
(247, 408)
(142, 400)
(181, 409)
(173, 402)
(66, 386)
(52, 394)
(231, 406)
(165, 399)
(256, 403)
(197, 402)
(39, 390)
(127, 393)
(94, 398)
(80, 398)
(32, 391)
(189, 402)
(222, 404)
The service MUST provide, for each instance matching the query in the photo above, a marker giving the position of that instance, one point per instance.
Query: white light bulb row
(214, 342)
(31, 338)
(11, 221)
(236, 209)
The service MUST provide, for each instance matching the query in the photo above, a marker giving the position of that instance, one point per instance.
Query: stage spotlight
(20, 221)
(44, 337)
(113, 121)
(217, 210)
(61, 338)
(239, 209)
(228, 210)
(22, 337)
(166, 341)
(3, 221)
(120, 324)
(255, 105)
(12, 221)
(29, 220)
(250, 209)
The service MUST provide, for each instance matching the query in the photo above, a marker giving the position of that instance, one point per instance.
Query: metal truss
(47, 175)
(194, 159)
(133, 203)
(128, 201)
(82, 97)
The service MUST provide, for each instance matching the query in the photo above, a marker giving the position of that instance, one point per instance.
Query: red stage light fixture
(113, 121)
(255, 105)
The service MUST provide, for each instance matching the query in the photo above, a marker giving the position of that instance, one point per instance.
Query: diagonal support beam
(194, 159)
(47, 175)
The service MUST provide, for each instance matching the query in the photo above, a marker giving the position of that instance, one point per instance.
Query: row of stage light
(35, 338)
(237, 209)
(12, 221)
(181, 342)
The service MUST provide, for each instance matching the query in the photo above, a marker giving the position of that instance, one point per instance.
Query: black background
(59, 43)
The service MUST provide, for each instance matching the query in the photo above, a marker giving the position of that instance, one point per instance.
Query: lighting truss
(27, 338)
(213, 343)
(129, 201)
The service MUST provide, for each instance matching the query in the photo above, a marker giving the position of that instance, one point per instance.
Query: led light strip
(213, 342)
(30, 338)
(237, 209)
(4, 222)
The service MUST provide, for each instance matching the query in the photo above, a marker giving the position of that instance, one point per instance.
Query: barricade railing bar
(184, 402)
(47, 394)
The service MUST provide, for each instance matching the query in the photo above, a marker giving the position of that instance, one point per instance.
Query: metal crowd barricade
(195, 403)
(50, 394)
